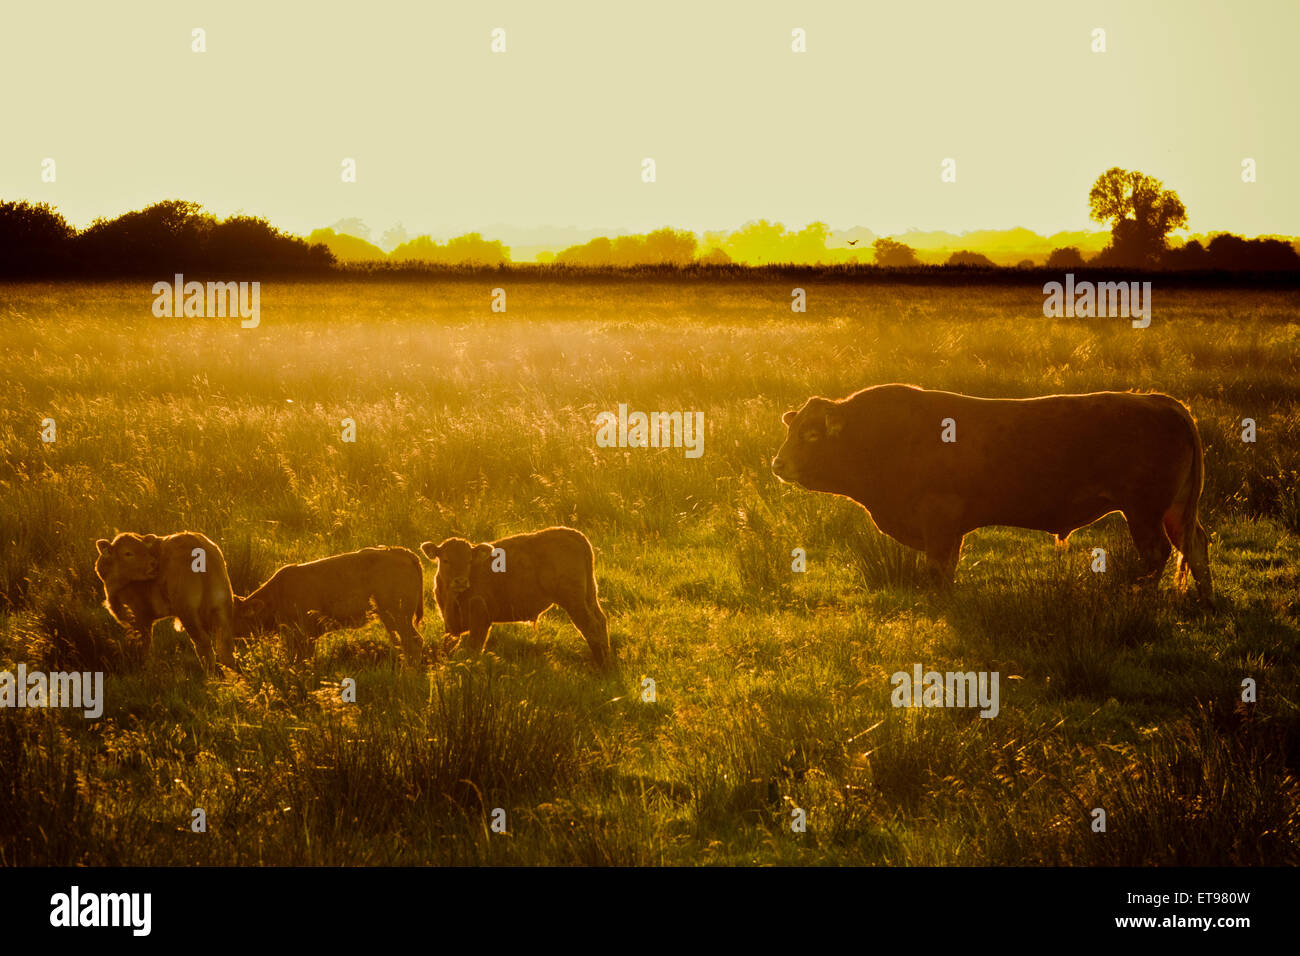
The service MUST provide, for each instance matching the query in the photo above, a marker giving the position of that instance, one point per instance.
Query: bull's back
(1056, 462)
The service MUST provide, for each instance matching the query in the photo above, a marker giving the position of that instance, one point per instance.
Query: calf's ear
(834, 422)
(483, 550)
(103, 544)
(430, 550)
(788, 417)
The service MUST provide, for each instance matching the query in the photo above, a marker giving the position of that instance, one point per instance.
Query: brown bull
(930, 466)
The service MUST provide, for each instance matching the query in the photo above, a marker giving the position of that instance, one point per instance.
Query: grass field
(772, 687)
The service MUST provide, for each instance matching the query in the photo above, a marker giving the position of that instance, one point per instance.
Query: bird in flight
(852, 242)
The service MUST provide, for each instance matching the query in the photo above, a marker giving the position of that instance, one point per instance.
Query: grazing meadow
(771, 687)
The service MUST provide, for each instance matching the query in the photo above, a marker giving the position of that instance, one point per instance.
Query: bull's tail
(1194, 548)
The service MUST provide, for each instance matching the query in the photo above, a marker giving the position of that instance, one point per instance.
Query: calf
(344, 590)
(182, 576)
(516, 579)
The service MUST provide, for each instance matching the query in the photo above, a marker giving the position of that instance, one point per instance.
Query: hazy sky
(449, 137)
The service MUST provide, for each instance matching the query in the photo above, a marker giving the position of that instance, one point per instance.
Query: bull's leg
(942, 552)
(1152, 544)
(941, 536)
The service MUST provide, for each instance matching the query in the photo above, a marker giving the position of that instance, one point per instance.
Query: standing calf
(147, 578)
(307, 600)
(516, 579)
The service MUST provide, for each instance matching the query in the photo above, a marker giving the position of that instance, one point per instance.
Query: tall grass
(772, 685)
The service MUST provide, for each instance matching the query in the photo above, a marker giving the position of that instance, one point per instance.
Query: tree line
(167, 237)
(178, 236)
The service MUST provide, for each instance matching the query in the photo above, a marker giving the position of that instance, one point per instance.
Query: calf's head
(454, 557)
(251, 616)
(128, 557)
(811, 455)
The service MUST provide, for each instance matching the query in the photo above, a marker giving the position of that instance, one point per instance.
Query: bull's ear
(834, 422)
(430, 550)
(103, 544)
(788, 417)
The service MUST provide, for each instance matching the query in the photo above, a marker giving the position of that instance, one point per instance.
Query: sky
(450, 137)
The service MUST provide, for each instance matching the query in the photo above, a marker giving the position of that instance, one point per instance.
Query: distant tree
(470, 249)
(670, 247)
(661, 247)
(890, 252)
(1192, 255)
(1025, 264)
(1227, 251)
(346, 247)
(715, 257)
(159, 241)
(762, 243)
(965, 258)
(164, 238)
(393, 237)
(1067, 258)
(34, 239)
(808, 245)
(250, 246)
(596, 252)
(352, 227)
(756, 243)
(1141, 212)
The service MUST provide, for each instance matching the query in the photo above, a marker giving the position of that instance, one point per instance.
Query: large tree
(1141, 212)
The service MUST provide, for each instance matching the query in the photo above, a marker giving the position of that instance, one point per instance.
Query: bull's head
(128, 557)
(811, 453)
